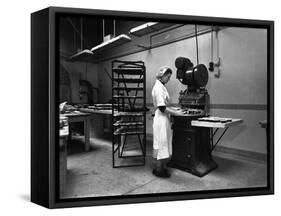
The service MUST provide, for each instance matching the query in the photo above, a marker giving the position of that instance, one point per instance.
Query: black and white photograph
(140, 107)
(158, 106)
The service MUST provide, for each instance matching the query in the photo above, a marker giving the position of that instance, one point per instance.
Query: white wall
(244, 67)
(243, 79)
(80, 71)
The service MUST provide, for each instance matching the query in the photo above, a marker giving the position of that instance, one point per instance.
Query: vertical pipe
(217, 38)
(112, 116)
(196, 37)
(102, 29)
(81, 33)
(212, 44)
(144, 110)
(74, 39)
(114, 30)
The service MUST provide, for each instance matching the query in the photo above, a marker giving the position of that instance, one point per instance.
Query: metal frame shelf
(128, 117)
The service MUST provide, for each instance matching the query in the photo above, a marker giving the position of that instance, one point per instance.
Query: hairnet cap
(162, 71)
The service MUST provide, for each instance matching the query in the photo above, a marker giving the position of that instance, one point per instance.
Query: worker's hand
(175, 111)
(179, 113)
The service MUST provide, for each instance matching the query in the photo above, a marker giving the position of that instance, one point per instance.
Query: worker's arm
(170, 110)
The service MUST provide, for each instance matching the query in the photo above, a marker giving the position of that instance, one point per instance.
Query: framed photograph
(138, 107)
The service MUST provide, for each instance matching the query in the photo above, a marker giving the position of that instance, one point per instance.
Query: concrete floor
(90, 174)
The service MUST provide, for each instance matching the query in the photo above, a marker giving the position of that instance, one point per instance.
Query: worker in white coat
(162, 132)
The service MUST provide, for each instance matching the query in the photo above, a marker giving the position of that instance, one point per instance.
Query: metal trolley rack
(128, 113)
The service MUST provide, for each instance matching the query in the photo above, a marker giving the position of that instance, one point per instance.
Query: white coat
(162, 132)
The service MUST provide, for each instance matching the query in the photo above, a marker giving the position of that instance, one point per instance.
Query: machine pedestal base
(199, 169)
(192, 150)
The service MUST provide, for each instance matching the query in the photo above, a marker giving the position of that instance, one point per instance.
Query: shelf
(118, 114)
(129, 120)
(128, 88)
(132, 153)
(128, 80)
(129, 131)
(129, 71)
(133, 109)
(124, 97)
(117, 41)
(148, 28)
(127, 123)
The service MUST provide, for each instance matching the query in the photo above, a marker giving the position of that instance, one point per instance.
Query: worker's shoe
(162, 174)
(167, 171)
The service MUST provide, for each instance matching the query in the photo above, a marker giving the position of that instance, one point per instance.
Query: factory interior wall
(80, 71)
(239, 92)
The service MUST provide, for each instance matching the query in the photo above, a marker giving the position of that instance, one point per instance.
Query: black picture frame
(45, 112)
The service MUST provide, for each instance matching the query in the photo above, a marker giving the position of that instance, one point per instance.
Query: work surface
(74, 114)
(96, 111)
(212, 124)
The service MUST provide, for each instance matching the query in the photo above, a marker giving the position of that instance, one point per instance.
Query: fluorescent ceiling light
(82, 55)
(86, 54)
(119, 40)
(148, 28)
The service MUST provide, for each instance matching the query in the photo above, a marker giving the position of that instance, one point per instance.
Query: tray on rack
(117, 114)
(129, 71)
(129, 131)
(127, 96)
(128, 88)
(127, 123)
(129, 80)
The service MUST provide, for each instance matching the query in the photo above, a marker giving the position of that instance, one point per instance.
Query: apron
(162, 132)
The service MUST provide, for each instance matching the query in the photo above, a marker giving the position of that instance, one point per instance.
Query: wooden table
(217, 125)
(100, 121)
(78, 116)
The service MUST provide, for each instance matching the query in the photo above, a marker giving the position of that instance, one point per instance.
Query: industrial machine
(191, 145)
